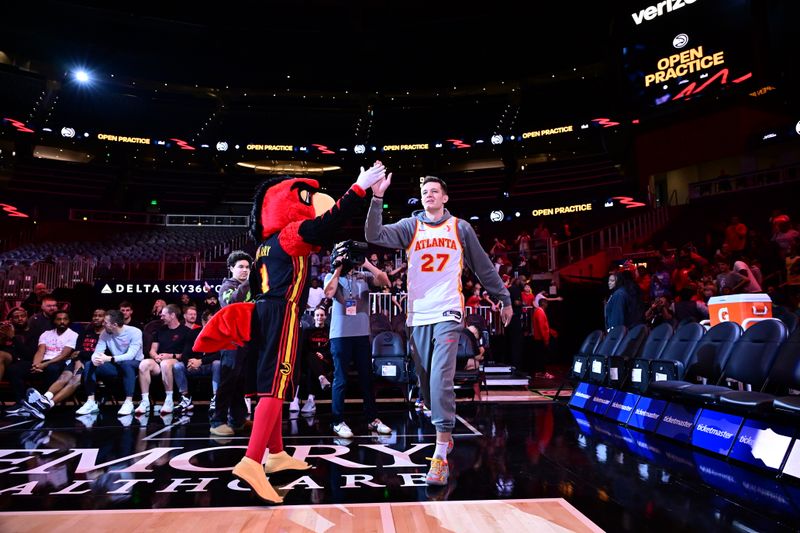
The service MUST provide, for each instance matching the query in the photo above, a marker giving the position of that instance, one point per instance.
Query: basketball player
(437, 245)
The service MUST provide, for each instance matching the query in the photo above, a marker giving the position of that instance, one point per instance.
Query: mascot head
(280, 201)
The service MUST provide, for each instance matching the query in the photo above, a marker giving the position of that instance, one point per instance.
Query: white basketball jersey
(435, 259)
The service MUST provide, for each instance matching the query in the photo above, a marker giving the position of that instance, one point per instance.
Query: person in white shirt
(315, 294)
(125, 344)
(55, 348)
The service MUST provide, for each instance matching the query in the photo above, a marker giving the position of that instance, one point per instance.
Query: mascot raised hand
(290, 219)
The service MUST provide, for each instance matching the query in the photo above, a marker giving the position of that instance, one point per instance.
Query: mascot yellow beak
(322, 203)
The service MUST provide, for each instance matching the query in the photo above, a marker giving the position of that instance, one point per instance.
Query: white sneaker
(186, 403)
(324, 383)
(294, 405)
(143, 407)
(309, 408)
(343, 431)
(169, 405)
(380, 427)
(88, 408)
(87, 420)
(126, 409)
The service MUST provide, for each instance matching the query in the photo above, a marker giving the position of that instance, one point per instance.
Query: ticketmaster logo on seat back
(666, 6)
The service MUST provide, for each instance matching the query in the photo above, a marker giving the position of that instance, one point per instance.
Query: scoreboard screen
(675, 50)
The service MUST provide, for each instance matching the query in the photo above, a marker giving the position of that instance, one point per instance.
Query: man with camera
(349, 334)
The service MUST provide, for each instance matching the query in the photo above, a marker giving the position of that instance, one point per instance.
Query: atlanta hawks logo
(286, 369)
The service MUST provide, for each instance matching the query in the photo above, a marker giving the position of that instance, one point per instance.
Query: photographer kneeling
(349, 332)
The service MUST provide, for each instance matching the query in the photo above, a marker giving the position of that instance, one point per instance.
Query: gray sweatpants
(434, 348)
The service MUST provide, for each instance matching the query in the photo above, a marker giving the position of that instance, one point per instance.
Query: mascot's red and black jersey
(288, 229)
(290, 219)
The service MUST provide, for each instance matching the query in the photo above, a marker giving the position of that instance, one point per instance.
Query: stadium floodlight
(82, 76)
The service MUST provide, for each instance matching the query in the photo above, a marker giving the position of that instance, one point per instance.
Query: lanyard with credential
(350, 304)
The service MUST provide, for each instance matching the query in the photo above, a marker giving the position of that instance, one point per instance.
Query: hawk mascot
(290, 219)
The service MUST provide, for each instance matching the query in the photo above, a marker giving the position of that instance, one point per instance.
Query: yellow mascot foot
(253, 475)
(283, 461)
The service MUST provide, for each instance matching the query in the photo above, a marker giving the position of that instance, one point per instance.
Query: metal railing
(740, 182)
(563, 253)
(17, 282)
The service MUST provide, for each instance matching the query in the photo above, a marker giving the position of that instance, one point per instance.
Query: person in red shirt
(474, 300)
(527, 296)
(542, 333)
(736, 236)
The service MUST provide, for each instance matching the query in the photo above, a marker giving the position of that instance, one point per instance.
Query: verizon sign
(656, 10)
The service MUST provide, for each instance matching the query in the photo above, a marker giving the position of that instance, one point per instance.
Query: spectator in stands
(709, 291)
(474, 363)
(541, 236)
(74, 369)
(43, 320)
(315, 294)
(196, 365)
(660, 281)
(399, 295)
(349, 334)
(375, 260)
(231, 411)
(659, 312)
(324, 263)
(752, 286)
(486, 300)
(785, 235)
(33, 302)
(514, 329)
(392, 271)
(170, 344)
(755, 268)
(210, 304)
(527, 295)
(125, 344)
(792, 262)
(24, 345)
(475, 300)
(685, 308)
(314, 261)
(190, 318)
(729, 282)
(55, 347)
(126, 309)
(736, 236)
(523, 241)
(186, 301)
(158, 305)
(316, 365)
(541, 338)
(723, 254)
(6, 346)
(617, 310)
(522, 269)
(498, 249)
(643, 281)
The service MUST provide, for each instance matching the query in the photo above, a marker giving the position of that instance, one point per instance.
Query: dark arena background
(656, 141)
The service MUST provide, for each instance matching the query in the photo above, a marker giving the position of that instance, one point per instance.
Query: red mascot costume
(290, 219)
